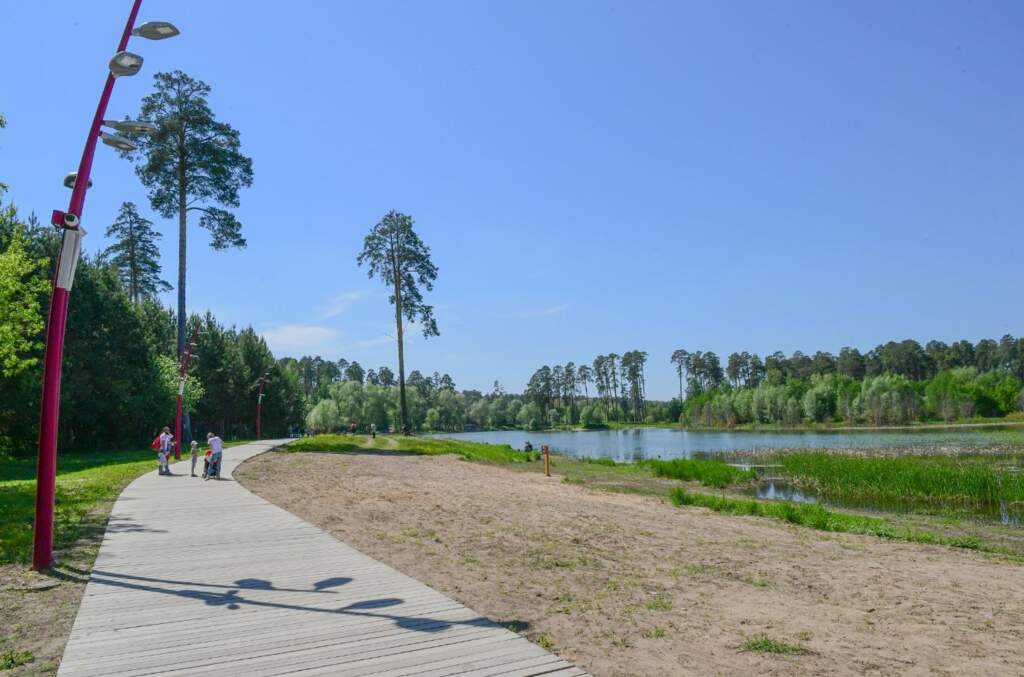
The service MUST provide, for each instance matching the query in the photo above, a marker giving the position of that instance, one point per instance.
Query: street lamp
(156, 30)
(69, 180)
(118, 142)
(131, 126)
(125, 64)
(122, 64)
(259, 406)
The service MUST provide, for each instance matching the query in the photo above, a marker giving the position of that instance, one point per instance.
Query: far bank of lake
(634, 444)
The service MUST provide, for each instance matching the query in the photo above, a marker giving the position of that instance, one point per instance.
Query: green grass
(765, 644)
(928, 483)
(708, 472)
(83, 482)
(816, 517)
(13, 659)
(427, 446)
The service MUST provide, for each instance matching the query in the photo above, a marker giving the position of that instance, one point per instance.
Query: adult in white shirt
(166, 439)
(216, 452)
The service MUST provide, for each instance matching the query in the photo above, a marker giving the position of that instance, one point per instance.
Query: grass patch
(13, 659)
(710, 473)
(928, 483)
(608, 462)
(427, 446)
(816, 517)
(84, 481)
(765, 644)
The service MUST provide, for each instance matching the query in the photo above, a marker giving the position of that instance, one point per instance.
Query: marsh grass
(710, 473)
(926, 483)
(816, 517)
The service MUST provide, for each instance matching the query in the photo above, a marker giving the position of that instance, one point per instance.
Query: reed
(710, 473)
(935, 483)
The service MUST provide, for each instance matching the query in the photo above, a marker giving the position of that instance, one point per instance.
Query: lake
(641, 443)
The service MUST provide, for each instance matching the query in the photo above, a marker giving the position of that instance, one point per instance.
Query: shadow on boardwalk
(231, 597)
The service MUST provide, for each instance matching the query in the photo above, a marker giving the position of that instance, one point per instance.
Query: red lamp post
(122, 64)
(259, 407)
(186, 357)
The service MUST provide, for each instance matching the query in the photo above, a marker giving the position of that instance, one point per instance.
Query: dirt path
(629, 585)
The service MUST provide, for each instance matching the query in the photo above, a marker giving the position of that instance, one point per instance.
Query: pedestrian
(373, 431)
(216, 454)
(166, 439)
(195, 456)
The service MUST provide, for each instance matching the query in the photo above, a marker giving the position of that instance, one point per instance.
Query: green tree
(191, 162)
(396, 255)
(21, 318)
(134, 254)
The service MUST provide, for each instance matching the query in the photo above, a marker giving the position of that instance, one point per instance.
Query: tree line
(120, 376)
(894, 383)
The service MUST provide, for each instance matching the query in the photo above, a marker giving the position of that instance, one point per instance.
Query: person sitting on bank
(528, 446)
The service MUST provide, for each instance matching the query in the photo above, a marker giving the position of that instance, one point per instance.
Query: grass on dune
(427, 446)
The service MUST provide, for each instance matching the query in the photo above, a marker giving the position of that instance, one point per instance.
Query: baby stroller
(211, 466)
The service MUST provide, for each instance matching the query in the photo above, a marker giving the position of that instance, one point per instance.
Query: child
(195, 456)
(206, 463)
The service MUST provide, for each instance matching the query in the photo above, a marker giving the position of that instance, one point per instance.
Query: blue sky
(591, 176)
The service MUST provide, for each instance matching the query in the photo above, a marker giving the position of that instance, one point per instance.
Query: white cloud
(340, 303)
(302, 339)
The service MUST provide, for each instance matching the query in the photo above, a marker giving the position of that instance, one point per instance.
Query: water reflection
(628, 446)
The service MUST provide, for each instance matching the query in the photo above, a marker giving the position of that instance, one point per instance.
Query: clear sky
(592, 176)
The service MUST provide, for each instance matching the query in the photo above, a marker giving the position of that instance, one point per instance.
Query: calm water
(641, 443)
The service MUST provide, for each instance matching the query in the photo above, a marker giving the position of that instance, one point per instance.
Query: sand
(631, 585)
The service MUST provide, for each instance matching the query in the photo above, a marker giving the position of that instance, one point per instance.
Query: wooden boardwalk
(205, 578)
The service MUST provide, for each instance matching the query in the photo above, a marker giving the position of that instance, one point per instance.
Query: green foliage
(169, 377)
(708, 472)
(134, 254)
(13, 659)
(191, 153)
(21, 319)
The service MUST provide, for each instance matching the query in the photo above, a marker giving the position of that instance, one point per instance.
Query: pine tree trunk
(186, 422)
(404, 407)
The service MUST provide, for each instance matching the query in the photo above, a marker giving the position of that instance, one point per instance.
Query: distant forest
(895, 383)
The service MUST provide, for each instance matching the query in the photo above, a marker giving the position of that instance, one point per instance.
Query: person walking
(195, 456)
(373, 430)
(216, 454)
(166, 440)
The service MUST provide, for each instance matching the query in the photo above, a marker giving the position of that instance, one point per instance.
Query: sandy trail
(630, 585)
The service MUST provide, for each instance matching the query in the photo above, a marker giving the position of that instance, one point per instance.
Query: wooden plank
(236, 585)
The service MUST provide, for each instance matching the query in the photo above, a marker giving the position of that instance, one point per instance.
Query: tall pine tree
(396, 255)
(134, 254)
(191, 163)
